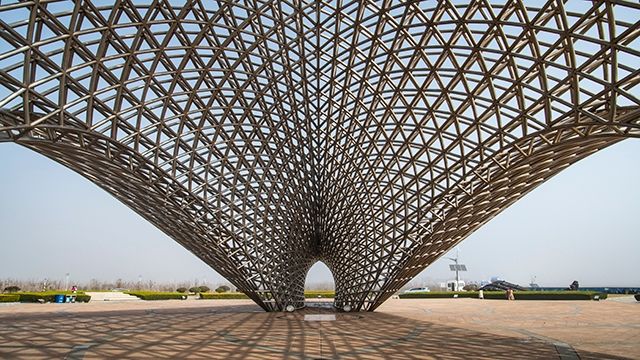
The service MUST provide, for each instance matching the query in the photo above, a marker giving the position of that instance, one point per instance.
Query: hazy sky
(581, 225)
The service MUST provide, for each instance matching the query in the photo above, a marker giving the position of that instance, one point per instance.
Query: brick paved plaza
(400, 329)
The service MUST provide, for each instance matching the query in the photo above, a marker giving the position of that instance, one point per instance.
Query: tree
(11, 289)
(194, 289)
(222, 289)
(204, 289)
(181, 289)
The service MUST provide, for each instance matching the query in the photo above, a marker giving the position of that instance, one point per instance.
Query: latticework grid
(267, 135)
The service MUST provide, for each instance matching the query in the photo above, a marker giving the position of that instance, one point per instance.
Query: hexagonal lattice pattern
(267, 135)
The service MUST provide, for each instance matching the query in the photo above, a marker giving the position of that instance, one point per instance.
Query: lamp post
(457, 268)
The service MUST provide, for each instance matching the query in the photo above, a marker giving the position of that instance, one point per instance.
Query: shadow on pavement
(239, 332)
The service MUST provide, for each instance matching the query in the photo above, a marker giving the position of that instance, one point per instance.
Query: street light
(457, 268)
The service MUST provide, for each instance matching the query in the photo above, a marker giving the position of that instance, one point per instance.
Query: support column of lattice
(286, 285)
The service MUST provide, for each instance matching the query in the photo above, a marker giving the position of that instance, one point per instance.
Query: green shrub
(83, 298)
(204, 289)
(151, 295)
(9, 298)
(181, 289)
(37, 297)
(223, 289)
(11, 289)
(194, 289)
(319, 294)
(519, 295)
(220, 296)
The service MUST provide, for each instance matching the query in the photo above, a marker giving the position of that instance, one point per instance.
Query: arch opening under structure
(372, 136)
(319, 286)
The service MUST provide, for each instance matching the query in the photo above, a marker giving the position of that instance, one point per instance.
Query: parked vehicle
(418, 289)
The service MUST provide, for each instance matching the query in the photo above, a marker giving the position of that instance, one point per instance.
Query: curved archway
(319, 278)
(582, 216)
(65, 224)
(319, 286)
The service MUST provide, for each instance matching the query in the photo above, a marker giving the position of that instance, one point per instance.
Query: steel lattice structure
(264, 136)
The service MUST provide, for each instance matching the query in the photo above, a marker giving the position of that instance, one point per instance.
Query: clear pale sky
(581, 225)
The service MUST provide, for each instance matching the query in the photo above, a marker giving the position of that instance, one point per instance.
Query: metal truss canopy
(264, 136)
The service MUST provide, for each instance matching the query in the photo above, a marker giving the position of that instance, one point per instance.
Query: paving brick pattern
(401, 329)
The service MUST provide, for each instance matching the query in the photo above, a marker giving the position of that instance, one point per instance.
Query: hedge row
(307, 294)
(219, 296)
(442, 295)
(320, 294)
(50, 296)
(150, 295)
(519, 295)
(9, 298)
(551, 295)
